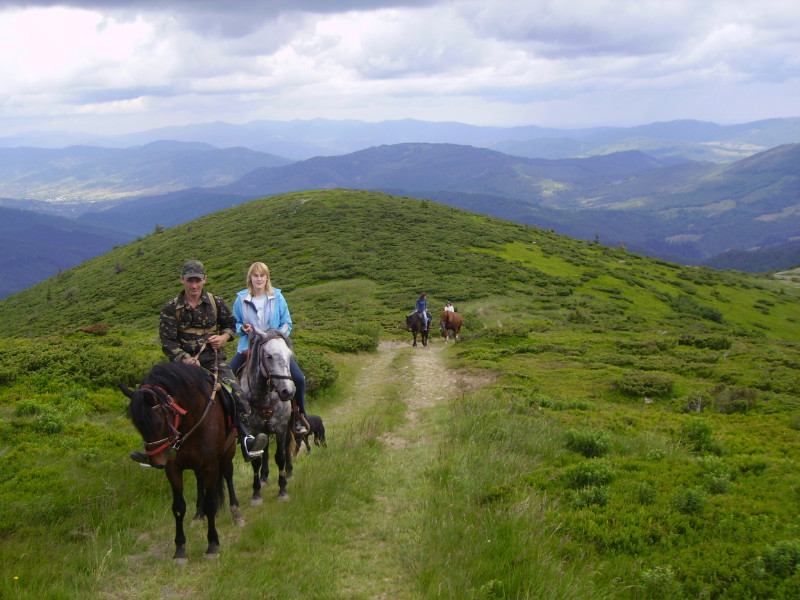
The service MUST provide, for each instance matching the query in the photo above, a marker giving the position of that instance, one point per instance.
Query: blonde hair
(258, 268)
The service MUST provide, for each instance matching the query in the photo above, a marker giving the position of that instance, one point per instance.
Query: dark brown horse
(450, 321)
(416, 325)
(183, 427)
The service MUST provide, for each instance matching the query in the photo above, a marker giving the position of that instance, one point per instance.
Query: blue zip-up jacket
(245, 312)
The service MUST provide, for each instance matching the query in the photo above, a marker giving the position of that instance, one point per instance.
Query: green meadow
(636, 433)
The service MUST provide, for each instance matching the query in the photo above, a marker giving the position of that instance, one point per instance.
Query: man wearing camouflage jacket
(193, 327)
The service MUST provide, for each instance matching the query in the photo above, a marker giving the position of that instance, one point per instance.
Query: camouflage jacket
(183, 329)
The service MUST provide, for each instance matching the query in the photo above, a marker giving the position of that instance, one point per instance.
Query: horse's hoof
(212, 555)
(180, 562)
(283, 496)
(238, 519)
(256, 501)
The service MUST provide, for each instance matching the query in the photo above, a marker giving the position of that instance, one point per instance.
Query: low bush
(689, 501)
(590, 496)
(591, 443)
(319, 370)
(660, 583)
(734, 400)
(638, 384)
(709, 342)
(783, 558)
(589, 473)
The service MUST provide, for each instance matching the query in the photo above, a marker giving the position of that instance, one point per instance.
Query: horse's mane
(178, 379)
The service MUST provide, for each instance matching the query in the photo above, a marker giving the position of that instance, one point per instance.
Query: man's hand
(217, 341)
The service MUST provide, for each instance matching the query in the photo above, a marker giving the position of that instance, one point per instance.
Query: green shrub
(645, 493)
(591, 443)
(783, 558)
(717, 474)
(590, 496)
(344, 341)
(689, 306)
(734, 400)
(638, 384)
(588, 473)
(709, 342)
(659, 583)
(28, 408)
(319, 370)
(689, 502)
(697, 433)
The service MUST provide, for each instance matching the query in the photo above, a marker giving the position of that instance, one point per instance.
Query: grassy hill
(83, 174)
(638, 429)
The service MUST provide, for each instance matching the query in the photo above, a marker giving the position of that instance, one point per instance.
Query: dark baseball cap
(193, 268)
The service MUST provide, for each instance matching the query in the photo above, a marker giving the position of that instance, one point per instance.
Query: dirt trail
(429, 383)
(385, 528)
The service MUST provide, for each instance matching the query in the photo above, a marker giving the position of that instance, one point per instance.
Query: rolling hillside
(688, 212)
(71, 179)
(35, 246)
(631, 429)
(685, 213)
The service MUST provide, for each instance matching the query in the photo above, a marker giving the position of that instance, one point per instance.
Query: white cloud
(549, 62)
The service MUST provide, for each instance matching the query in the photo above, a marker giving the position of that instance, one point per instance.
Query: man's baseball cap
(193, 268)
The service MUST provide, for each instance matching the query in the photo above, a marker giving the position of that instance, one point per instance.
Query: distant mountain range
(742, 214)
(301, 139)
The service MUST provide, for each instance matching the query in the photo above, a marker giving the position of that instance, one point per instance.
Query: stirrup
(259, 443)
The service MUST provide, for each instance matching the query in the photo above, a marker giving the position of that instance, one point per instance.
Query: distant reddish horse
(183, 427)
(450, 321)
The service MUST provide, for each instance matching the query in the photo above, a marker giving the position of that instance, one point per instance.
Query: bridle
(265, 368)
(172, 409)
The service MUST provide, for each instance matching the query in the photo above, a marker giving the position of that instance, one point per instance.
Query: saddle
(228, 406)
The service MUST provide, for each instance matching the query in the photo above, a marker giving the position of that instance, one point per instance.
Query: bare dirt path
(386, 527)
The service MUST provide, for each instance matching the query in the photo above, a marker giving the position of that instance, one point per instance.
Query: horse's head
(158, 413)
(270, 359)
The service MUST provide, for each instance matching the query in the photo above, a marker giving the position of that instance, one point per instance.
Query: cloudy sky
(117, 66)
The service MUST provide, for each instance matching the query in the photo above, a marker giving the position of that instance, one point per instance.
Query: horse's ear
(127, 391)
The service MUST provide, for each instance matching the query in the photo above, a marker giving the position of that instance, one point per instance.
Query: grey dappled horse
(267, 383)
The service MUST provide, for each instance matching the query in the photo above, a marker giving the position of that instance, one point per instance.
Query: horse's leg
(199, 514)
(212, 483)
(256, 499)
(175, 478)
(265, 467)
(280, 460)
(288, 453)
(227, 472)
(415, 337)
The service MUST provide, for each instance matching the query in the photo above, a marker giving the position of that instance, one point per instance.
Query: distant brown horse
(416, 325)
(183, 427)
(450, 321)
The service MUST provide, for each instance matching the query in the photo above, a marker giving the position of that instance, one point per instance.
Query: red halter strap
(166, 402)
